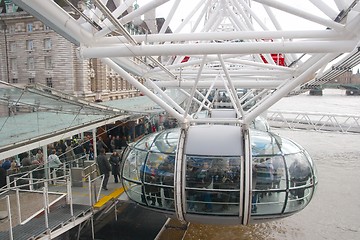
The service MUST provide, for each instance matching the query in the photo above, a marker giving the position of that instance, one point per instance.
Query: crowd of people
(74, 151)
(71, 152)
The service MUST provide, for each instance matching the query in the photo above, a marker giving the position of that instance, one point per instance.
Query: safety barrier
(314, 121)
(41, 180)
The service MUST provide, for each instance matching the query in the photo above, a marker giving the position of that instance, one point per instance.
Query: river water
(333, 213)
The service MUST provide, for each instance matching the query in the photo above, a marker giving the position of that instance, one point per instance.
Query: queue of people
(77, 149)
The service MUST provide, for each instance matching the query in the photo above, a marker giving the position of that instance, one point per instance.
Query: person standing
(100, 145)
(2, 177)
(112, 144)
(115, 165)
(117, 142)
(123, 142)
(91, 153)
(70, 155)
(26, 161)
(6, 164)
(300, 173)
(40, 156)
(104, 167)
(54, 162)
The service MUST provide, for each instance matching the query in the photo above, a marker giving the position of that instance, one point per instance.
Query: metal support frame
(315, 121)
(228, 47)
(232, 30)
(179, 175)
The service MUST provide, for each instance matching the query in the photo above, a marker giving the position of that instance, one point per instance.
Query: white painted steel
(220, 45)
(8, 206)
(130, 17)
(302, 13)
(286, 88)
(214, 48)
(179, 178)
(314, 121)
(209, 36)
(247, 177)
(18, 203)
(55, 14)
(269, 84)
(142, 88)
(242, 42)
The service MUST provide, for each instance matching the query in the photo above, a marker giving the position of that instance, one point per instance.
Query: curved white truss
(220, 44)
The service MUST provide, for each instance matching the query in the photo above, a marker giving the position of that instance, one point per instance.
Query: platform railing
(38, 180)
(8, 207)
(317, 121)
(90, 174)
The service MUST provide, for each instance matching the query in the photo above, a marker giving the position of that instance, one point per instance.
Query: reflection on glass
(283, 177)
(212, 185)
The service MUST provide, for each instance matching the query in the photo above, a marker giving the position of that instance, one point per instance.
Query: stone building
(31, 52)
(347, 77)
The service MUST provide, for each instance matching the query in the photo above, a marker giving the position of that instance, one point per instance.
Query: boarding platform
(58, 220)
(35, 208)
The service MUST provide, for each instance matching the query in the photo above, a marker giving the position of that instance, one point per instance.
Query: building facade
(34, 53)
(348, 78)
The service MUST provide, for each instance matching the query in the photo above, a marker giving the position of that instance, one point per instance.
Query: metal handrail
(8, 206)
(12, 185)
(31, 181)
(91, 181)
(27, 175)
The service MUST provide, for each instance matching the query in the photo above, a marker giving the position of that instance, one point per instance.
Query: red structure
(278, 58)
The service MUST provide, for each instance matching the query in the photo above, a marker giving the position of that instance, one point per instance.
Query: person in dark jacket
(104, 167)
(115, 165)
(26, 161)
(6, 164)
(2, 177)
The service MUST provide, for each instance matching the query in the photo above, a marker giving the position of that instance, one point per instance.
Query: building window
(11, 28)
(111, 84)
(12, 46)
(49, 82)
(15, 80)
(47, 43)
(92, 84)
(46, 28)
(48, 64)
(29, 27)
(10, 7)
(31, 80)
(116, 84)
(13, 64)
(29, 45)
(30, 63)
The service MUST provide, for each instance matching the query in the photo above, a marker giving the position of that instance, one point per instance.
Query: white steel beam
(214, 48)
(143, 89)
(224, 36)
(131, 16)
(286, 88)
(303, 14)
(59, 17)
(331, 13)
(270, 84)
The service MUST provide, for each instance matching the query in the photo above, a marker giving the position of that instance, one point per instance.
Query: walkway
(58, 221)
(65, 211)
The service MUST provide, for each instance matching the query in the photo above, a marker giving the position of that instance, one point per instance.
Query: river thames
(334, 212)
